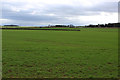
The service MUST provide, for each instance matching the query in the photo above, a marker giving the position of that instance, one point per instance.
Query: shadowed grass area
(60, 54)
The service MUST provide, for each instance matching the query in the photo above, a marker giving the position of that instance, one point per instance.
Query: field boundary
(60, 78)
(40, 29)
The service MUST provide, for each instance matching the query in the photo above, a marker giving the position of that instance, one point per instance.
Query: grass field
(89, 53)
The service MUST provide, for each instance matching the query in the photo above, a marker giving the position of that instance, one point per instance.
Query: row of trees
(105, 25)
(12, 25)
(70, 26)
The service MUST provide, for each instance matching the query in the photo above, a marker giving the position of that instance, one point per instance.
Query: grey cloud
(106, 7)
(80, 10)
(66, 10)
(26, 16)
(61, 11)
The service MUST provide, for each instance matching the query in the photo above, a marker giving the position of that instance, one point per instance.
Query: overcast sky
(44, 12)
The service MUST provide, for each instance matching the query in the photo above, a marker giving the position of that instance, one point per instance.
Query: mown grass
(89, 53)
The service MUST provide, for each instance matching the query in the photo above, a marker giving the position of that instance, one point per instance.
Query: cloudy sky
(44, 12)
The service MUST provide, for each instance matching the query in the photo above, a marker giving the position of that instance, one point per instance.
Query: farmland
(89, 53)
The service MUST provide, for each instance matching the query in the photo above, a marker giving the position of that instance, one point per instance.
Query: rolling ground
(89, 53)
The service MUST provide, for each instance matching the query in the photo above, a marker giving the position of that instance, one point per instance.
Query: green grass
(89, 53)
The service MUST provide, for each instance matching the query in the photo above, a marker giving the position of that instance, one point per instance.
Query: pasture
(89, 53)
